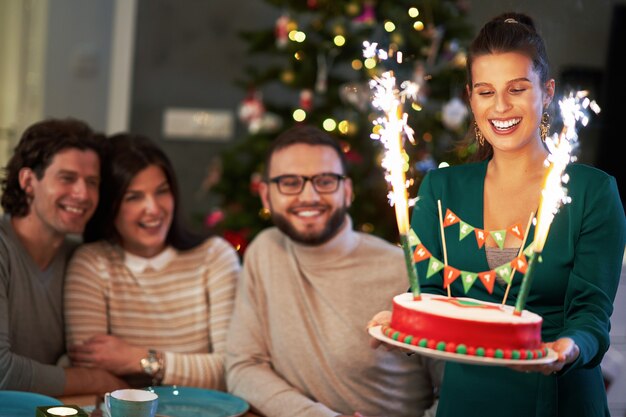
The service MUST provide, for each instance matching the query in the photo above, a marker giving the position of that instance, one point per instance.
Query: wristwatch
(152, 366)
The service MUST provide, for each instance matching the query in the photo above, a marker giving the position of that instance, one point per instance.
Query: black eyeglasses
(324, 183)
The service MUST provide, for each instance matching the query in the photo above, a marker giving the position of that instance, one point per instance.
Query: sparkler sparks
(390, 129)
(560, 148)
(553, 193)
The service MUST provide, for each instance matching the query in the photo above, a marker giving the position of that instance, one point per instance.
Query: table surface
(91, 400)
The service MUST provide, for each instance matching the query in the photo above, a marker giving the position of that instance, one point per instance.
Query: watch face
(150, 365)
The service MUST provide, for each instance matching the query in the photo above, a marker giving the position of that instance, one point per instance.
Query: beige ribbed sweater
(183, 308)
(298, 344)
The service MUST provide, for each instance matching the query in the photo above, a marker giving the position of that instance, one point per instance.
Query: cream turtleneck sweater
(297, 344)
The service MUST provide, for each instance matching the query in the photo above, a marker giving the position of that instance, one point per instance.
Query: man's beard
(331, 228)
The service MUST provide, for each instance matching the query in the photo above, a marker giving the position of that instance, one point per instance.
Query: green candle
(410, 266)
(526, 283)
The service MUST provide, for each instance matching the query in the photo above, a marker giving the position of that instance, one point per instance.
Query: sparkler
(390, 129)
(553, 193)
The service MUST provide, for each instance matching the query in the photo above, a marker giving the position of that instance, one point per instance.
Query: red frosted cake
(465, 326)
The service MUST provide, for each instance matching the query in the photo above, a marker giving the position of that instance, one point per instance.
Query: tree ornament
(255, 182)
(269, 123)
(281, 31)
(213, 218)
(237, 238)
(352, 8)
(436, 34)
(356, 94)
(306, 99)
(368, 16)
(287, 77)
(419, 78)
(425, 164)
(324, 61)
(454, 113)
(460, 60)
(251, 108)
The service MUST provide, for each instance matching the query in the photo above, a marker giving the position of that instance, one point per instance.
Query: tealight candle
(58, 410)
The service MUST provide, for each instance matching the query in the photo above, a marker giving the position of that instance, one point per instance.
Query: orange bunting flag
(488, 278)
(450, 218)
(449, 275)
(520, 264)
(518, 230)
(420, 253)
(480, 237)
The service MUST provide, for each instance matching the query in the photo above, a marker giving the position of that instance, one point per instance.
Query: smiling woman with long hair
(144, 298)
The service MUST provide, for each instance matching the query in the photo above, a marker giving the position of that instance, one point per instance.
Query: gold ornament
(287, 77)
(265, 214)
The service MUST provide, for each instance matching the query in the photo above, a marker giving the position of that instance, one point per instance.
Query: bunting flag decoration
(520, 264)
(468, 279)
(434, 266)
(480, 237)
(413, 239)
(517, 230)
(420, 253)
(464, 230)
(498, 236)
(488, 278)
(450, 218)
(529, 249)
(449, 275)
(504, 272)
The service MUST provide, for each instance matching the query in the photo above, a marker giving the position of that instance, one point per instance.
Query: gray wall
(78, 49)
(188, 54)
(576, 31)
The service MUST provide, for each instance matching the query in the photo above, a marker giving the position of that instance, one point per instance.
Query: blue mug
(131, 403)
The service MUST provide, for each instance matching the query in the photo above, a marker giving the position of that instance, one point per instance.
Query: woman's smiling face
(145, 214)
(508, 99)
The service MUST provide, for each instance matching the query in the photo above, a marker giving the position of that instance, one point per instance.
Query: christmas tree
(314, 72)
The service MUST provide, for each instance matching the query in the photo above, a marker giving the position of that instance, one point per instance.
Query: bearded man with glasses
(296, 345)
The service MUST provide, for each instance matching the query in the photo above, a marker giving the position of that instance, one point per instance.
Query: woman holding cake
(574, 285)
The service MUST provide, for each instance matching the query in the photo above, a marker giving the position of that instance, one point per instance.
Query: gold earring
(265, 213)
(479, 135)
(544, 127)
